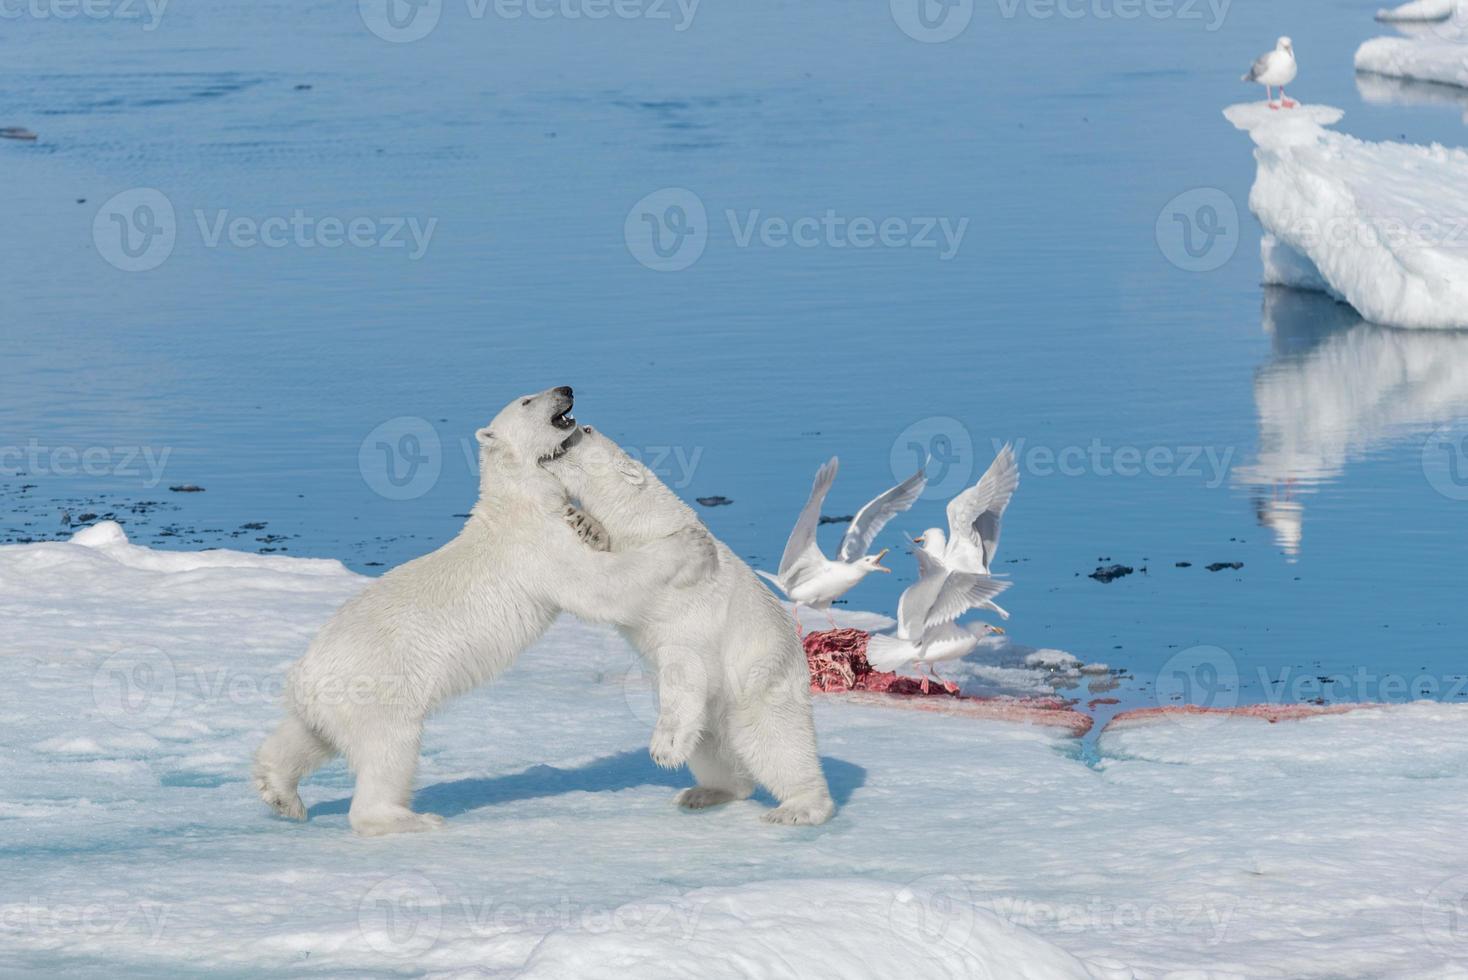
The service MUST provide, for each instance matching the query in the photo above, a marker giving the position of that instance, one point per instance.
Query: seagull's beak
(879, 567)
(994, 630)
(917, 540)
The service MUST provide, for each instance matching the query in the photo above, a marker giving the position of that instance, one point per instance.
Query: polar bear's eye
(524, 403)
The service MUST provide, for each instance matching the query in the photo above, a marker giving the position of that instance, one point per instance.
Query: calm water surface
(1162, 415)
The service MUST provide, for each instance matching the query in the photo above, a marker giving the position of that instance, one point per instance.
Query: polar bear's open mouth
(563, 419)
(566, 422)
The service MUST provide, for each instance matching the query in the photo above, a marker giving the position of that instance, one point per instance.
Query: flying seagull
(974, 517)
(806, 575)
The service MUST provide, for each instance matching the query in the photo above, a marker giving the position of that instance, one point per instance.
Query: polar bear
(444, 623)
(733, 685)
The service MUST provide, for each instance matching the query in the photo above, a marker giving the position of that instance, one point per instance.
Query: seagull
(926, 631)
(1273, 68)
(973, 523)
(806, 575)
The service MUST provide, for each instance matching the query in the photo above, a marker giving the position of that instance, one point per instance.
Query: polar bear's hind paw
(396, 821)
(703, 797)
(801, 813)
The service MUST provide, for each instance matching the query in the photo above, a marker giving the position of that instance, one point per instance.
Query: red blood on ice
(1268, 712)
(839, 665)
(838, 662)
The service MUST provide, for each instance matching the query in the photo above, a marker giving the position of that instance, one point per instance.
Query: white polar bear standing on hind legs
(442, 624)
(733, 684)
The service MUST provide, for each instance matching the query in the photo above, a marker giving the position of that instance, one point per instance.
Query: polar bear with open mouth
(733, 685)
(444, 623)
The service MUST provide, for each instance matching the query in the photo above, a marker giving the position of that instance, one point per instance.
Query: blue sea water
(867, 245)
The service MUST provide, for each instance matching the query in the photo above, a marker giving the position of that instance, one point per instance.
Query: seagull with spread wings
(806, 575)
(926, 631)
(973, 523)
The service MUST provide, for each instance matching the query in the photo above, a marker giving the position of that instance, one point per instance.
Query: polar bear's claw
(588, 529)
(801, 813)
(703, 797)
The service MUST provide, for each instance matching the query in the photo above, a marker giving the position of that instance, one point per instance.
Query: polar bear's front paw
(587, 528)
(670, 747)
(278, 795)
(808, 812)
(287, 804)
(396, 820)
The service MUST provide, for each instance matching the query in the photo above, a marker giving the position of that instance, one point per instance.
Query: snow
(138, 682)
(1283, 266)
(1383, 226)
(835, 928)
(1417, 10)
(1424, 57)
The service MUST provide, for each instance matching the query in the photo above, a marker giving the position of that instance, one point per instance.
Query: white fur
(444, 623)
(733, 684)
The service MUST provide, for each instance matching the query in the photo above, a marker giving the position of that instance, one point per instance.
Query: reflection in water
(1335, 389)
(1383, 90)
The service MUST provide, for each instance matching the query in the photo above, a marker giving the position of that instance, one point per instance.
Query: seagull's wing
(918, 598)
(870, 520)
(802, 544)
(889, 652)
(957, 594)
(775, 579)
(973, 516)
(1260, 66)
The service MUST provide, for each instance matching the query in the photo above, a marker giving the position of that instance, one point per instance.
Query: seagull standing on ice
(926, 633)
(806, 575)
(1276, 67)
(973, 523)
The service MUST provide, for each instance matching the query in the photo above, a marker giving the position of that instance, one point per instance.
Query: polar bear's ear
(484, 436)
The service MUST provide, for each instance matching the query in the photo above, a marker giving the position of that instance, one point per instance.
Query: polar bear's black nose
(564, 391)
